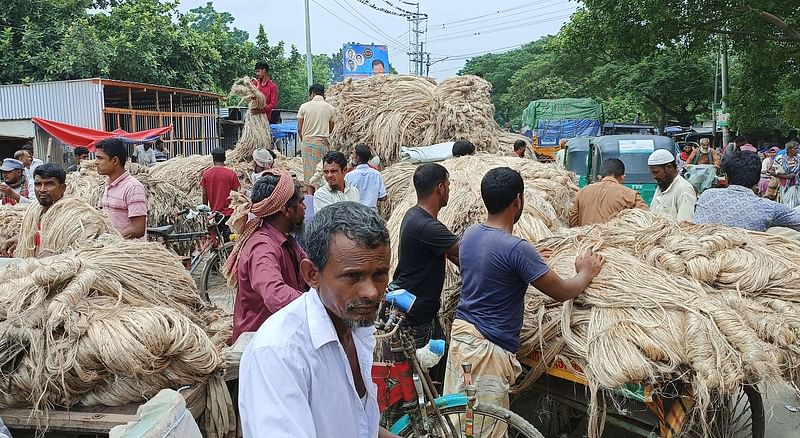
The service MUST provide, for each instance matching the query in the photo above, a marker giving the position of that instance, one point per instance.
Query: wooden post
(130, 107)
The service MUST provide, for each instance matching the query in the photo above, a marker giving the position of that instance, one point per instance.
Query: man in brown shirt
(599, 201)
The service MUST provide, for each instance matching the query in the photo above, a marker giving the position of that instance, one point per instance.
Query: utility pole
(726, 130)
(309, 70)
(417, 54)
(715, 103)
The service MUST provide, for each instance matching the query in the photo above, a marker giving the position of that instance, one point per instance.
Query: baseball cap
(10, 164)
(659, 157)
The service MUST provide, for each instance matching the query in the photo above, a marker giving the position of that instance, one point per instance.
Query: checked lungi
(314, 149)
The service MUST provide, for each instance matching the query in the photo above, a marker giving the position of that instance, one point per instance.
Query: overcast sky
(457, 29)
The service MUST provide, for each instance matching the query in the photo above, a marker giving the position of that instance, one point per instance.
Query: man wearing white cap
(675, 197)
(263, 159)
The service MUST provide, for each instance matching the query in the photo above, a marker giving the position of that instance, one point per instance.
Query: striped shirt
(124, 199)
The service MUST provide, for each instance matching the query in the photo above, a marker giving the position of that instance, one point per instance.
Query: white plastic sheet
(163, 416)
(428, 154)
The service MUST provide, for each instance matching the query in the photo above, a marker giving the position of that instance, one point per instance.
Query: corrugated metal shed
(78, 102)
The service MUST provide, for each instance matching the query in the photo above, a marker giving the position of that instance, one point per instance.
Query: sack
(164, 415)
(701, 176)
(791, 196)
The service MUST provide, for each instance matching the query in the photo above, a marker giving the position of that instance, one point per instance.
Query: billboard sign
(364, 60)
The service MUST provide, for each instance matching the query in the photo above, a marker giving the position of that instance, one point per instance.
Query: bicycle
(206, 249)
(404, 381)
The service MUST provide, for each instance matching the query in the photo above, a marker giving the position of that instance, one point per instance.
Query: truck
(554, 120)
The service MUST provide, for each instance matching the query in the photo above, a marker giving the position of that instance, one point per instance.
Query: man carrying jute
(54, 222)
(314, 125)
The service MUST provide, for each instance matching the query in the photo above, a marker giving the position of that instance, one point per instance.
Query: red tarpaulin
(77, 136)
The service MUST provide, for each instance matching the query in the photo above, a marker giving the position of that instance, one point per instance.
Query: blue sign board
(364, 60)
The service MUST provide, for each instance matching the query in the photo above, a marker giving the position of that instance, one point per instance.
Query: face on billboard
(361, 61)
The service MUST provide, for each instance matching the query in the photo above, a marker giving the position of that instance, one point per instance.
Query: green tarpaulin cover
(561, 109)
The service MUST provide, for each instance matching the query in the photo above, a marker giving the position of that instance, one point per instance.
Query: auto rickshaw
(586, 159)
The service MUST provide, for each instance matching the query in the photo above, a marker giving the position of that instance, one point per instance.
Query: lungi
(494, 369)
(314, 149)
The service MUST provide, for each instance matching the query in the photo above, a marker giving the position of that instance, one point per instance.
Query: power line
(501, 12)
(399, 9)
(354, 27)
(380, 9)
(500, 29)
(499, 19)
(364, 20)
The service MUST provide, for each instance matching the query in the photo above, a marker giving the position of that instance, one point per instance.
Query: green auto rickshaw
(586, 155)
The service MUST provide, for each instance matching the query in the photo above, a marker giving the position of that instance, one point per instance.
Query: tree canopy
(145, 41)
(659, 58)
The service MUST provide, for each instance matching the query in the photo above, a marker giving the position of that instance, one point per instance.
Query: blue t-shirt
(496, 269)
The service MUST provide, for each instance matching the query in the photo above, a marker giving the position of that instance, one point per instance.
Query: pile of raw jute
(67, 223)
(163, 198)
(712, 306)
(111, 322)
(10, 220)
(549, 194)
(390, 112)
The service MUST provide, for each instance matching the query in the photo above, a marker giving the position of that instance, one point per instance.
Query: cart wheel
(550, 416)
(739, 416)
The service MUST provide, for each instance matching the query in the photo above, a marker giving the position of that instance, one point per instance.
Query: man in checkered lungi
(315, 122)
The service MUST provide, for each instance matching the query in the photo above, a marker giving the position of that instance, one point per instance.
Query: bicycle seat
(160, 231)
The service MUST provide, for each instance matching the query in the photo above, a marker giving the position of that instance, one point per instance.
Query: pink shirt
(269, 278)
(124, 199)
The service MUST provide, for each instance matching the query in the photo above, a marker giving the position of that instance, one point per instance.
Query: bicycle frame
(403, 380)
(204, 241)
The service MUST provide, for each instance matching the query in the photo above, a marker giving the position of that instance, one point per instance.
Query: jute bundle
(111, 323)
(557, 186)
(256, 133)
(709, 305)
(164, 199)
(10, 220)
(68, 222)
(389, 112)
(465, 207)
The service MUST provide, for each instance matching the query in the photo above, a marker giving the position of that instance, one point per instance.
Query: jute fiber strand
(10, 220)
(111, 323)
(390, 112)
(708, 305)
(68, 222)
(164, 199)
(465, 207)
(256, 133)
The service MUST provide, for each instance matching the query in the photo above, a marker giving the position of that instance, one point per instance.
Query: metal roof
(75, 102)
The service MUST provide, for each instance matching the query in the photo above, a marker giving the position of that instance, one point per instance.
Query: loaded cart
(555, 400)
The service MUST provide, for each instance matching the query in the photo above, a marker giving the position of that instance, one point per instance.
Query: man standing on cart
(497, 268)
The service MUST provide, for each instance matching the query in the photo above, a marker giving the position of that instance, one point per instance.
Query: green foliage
(145, 41)
(657, 58)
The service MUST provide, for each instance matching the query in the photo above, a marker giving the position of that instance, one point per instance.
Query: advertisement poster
(364, 60)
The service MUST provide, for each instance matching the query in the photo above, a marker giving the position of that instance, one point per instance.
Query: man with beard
(50, 185)
(705, 154)
(497, 268)
(306, 372)
(675, 197)
(266, 259)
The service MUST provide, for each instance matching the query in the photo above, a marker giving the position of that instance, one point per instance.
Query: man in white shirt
(307, 371)
(335, 189)
(35, 162)
(675, 197)
(145, 154)
(367, 180)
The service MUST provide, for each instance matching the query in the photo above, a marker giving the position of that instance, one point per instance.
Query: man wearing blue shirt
(367, 180)
(496, 270)
(737, 205)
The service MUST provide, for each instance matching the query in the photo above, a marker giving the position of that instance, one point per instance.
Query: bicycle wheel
(489, 421)
(739, 416)
(213, 285)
